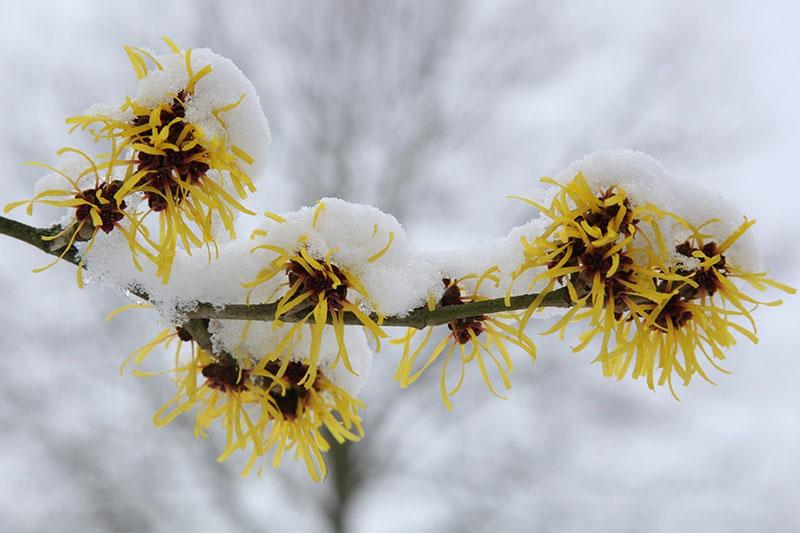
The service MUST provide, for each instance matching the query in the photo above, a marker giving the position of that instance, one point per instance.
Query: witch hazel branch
(274, 335)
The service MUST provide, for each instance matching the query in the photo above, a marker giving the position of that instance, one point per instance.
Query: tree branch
(36, 237)
(418, 318)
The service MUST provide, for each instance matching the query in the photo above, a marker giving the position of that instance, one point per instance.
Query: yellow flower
(650, 312)
(315, 290)
(87, 190)
(221, 390)
(600, 248)
(164, 339)
(295, 414)
(174, 153)
(698, 320)
(264, 409)
(476, 339)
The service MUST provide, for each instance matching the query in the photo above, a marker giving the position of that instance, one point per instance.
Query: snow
(113, 112)
(353, 235)
(644, 178)
(194, 278)
(647, 181)
(73, 166)
(245, 125)
(504, 254)
(396, 281)
(76, 168)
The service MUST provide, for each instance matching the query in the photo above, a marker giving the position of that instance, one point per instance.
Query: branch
(418, 318)
(198, 329)
(36, 237)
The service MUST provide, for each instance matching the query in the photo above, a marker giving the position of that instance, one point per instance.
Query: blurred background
(434, 111)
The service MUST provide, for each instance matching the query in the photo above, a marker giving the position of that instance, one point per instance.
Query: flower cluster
(314, 289)
(177, 160)
(697, 319)
(657, 291)
(322, 265)
(264, 407)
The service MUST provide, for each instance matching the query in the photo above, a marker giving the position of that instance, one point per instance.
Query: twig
(35, 237)
(418, 318)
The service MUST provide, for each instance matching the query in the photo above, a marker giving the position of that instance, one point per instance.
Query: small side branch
(198, 329)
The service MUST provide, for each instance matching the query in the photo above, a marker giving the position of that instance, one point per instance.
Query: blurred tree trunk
(342, 480)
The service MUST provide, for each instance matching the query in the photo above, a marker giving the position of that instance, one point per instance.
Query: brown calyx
(602, 217)
(289, 397)
(166, 173)
(225, 375)
(110, 211)
(462, 327)
(320, 284)
(675, 312)
(706, 279)
(591, 259)
(183, 334)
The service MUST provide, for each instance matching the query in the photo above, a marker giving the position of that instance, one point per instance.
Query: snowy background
(433, 111)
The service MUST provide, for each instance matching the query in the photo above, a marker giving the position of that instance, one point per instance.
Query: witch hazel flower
(657, 290)
(217, 389)
(483, 341)
(708, 304)
(80, 193)
(297, 411)
(589, 249)
(331, 261)
(261, 405)
(191, 143)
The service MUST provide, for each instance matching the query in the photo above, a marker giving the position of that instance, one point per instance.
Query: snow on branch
(274, 336)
